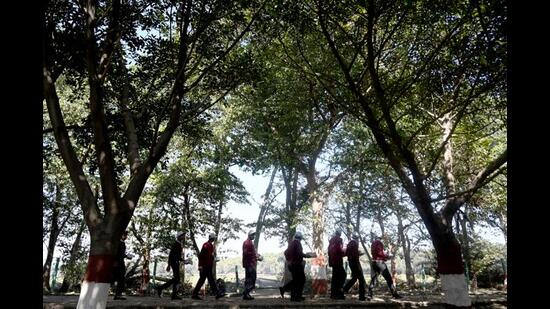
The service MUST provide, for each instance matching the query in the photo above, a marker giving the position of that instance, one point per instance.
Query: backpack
(220, 284)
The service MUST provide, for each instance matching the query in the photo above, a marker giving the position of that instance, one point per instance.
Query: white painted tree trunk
(455, 289)
(318, 264)
(93, 295)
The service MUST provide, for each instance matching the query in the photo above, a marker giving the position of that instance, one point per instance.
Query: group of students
(206, 262)
(295, 260)
(336, 253)
(294, 256)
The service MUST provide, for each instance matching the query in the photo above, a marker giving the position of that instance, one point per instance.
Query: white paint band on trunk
(93, 295)
(318, 272)
(456, 290)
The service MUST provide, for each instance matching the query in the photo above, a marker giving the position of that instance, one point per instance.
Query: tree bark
(290, 178)
(54, 233)
(406, 247)
(465, 244)
(217, 230)
(264, 209)
(190, 223)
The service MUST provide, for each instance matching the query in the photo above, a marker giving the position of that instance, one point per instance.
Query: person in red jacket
(353, 254)
(206, 262)
(336, 255)
(294, 255)
(378, 266)
(250, 259)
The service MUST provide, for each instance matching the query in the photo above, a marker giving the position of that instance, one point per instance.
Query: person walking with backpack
(206, 263)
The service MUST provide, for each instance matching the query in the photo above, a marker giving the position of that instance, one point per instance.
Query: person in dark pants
(250, 260)
(174, 258)
(295, 257)
(336, 255)
(352, 252)
(378, 266)
(206, 262)
(120, 267)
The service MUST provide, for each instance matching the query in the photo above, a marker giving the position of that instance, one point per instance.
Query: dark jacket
(294, 253)
(336, 251)
(121, 253)
(175, 253)
(352, 251)
(249, 254)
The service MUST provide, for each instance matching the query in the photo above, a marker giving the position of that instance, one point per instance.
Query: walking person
(174, 259)
(352, 252)
(250, 260)
(378, 266)
(206, 263)
(295, 257)
(336, 255)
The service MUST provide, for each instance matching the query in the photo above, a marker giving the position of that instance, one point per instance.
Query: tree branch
(109, 183)
(483, 177)
(112, 39)
(231, 46)
(68, 154)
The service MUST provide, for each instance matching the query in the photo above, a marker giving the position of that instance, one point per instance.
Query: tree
(207, 32)
(388, 77)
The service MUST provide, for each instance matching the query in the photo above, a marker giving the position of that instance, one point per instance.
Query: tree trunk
(75, 248)
(55, 230)
(406, 247)
(190, 223)
(465, 244)
(217, 230)
(54, 233)
(451, 269)
(361, 238)
(318, 264)
(290, 178)
(145, 272)
(264, 209)
(348, 227)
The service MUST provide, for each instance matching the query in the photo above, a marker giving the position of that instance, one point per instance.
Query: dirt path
(270, 298)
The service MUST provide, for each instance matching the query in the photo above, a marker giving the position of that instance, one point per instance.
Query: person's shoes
(369, 295)
(220, 295)
(395, 295)
(175, 297)
(362, 298)
(282, 291)
(119, 297)
(159, 292)
(340, 297)
(248, 297)
(197, 297)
